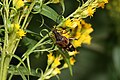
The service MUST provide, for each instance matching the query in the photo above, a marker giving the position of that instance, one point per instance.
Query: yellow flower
(77, 35)
(76, 43)
(67, 35)
(87, 25)
(56, 71)
(102, 4)
(72, 61)
(18, 3)
(83, 22)
(50, 58)
(68, 23)
(83, 38)
(72, 53)
(82, 34)
(75, 23)
(87, 31)
(20, 33)
(87, 40)
(16, 26)
(90, 11)
(56, 62)
(65, 65)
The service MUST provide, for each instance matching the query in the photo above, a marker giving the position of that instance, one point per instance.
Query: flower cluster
(89, 10)
(77, 30)
(96, 4)
(54, 65)
(16, 30)
(18, 3)
(101, 3)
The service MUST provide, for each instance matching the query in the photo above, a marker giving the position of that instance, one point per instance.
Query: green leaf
(66, 59)
(29, 42)
(46, 11)
(49, 12)
(17, 71)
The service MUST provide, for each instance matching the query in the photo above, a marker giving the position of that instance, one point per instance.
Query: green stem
(29, 10)
(33, 48)
(6, 66)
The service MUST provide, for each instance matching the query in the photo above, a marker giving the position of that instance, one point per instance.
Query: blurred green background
(98, 61)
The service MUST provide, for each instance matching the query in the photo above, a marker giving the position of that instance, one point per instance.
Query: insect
(62, 41)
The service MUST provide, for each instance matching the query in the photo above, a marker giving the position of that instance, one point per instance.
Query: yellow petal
(65, 65)
(50, 58)
(56, 62)
(72, 61)
(56, 71)
(76, 43)
(72, 53)
(87, 40)
(18, 3)
(78, 34)
(68, 23)
(20, 33)
(17, 26)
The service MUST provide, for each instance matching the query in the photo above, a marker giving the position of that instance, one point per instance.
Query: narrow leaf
(49, 12)
(66, 59)
(15, 71)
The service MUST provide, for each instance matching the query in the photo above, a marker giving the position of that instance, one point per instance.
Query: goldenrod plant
(72, 31)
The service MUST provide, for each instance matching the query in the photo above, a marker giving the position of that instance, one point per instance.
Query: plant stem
(6, 66)
(32, 49)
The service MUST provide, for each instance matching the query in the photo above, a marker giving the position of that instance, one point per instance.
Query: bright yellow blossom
(83, 22)
(72, 53)
(87, 40)
(77, 35)
(20, 33)
(72, 61)
(67, 35)
(75, 23)
(79, 30)
(56, 62)
(87, 25)
(65, 65)
(50, 58)
(87, 31)
(77, 43)
(83, 37)
(16, 26)
(56, 71)
(90, 11)
(102, 4)
(18, 3)
(68, 23)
